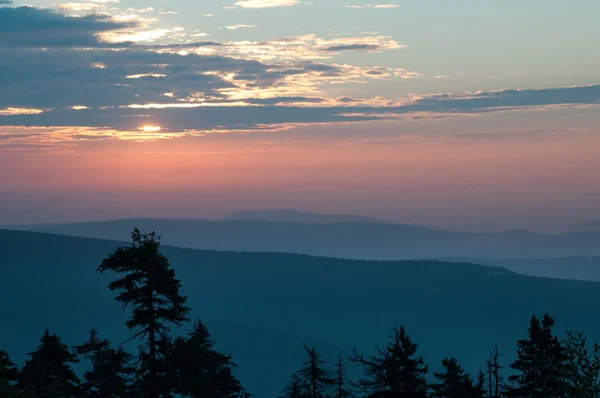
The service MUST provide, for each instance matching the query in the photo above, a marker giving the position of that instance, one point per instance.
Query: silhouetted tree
(201, 370)
(583, 366)
(541, 363)
(495, 380)
(9, 375)
(339, 376)
(454, 382)
(294, 389)
(48, 373)
(148, 284)
(481, 383)
(111, 368)
(396, 370)
(316, 381)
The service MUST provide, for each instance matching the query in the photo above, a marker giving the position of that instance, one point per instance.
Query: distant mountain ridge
(370, 241)
(296, 216)
(585, 227)
(261, 307)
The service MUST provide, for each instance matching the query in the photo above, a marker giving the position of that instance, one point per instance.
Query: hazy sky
(469, 114)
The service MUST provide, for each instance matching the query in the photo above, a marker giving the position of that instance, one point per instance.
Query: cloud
(5, 2)
(33, 27)
(307, 47)
(234, 27)
(80, 6)
(92, 72)
(265, 3)
(383, 6)
(264, 114)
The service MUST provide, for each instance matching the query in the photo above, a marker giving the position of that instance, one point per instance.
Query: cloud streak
(265, 3)
(42, 28)
(379, 6)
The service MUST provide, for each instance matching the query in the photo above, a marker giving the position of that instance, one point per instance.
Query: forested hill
(261, 307)
(369, 241)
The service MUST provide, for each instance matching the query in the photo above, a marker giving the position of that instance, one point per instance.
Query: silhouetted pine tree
(481, 383)
(541, 363)
(339, 376)
(111, 369)
(495, 380)
(316, 381)
(454, 382)
(47, 373)
(294, 389)
(583, 366)
(202, 371)
(396, 371)
(148, 284)
(9, 375)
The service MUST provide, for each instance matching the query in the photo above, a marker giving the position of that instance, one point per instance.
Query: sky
(469, 115)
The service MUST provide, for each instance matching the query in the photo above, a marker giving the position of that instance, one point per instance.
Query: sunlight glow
(151, 129)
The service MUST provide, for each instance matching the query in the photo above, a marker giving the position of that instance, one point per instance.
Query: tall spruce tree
(396, 370)
(148, 284)
(111, 369)
(201, 370)
(294, 389)
(316, 380)
(48, 372)
(541, 363)
(454, 382)
(9, 375)
(583, 366)
(341, 389)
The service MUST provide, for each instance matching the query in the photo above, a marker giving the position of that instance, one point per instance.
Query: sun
(151, 129)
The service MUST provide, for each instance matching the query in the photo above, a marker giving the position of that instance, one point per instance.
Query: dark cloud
(240, 118)
(504, 99)
(95, 78)
(202, 118)
(5, 2)
(352, 47)
(33, 27)
(58, 78)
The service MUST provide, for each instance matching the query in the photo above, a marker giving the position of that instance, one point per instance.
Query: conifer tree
(201, 370)
(315, 379)
(294, 389)
(495, 380)
(396, 370)
(9, 375)
(541, 363)
(481, 383)
(111, 369)
(147, 283)
(454, 382)
(583, 366)
(339, 376)
(48, 373)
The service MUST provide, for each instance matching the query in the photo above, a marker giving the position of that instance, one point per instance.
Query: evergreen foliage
(454, 382)
(200, 370)
(9, 375)
(396, 371)
(541, 363)
(583, 366)
(48, 372)
(111, 370)
(316, 381)
(339, 377)
(148, 284)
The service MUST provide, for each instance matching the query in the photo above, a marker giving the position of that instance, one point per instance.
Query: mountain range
(295, 216)
(357, 240)
(261, 307)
